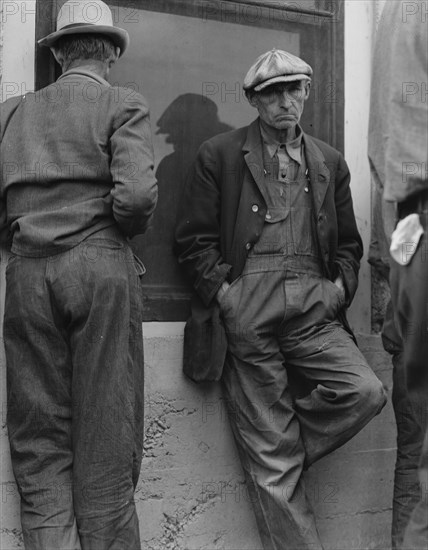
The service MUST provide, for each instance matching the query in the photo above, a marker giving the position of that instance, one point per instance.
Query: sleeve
(135, 188)
(197, 237)
(407, 145)
(7, 110)
(349, 246)
(398, 136)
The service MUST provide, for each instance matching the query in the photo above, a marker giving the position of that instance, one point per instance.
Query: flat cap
(276, 66)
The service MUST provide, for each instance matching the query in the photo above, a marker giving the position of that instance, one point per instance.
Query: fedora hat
(83, 17)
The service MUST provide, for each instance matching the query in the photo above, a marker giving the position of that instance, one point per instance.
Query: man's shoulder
(127, 99)
(227, 142)
(327, 150)
(7, 109)
(10, 104)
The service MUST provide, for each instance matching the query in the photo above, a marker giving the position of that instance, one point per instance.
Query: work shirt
(76, 157)
(281, 160)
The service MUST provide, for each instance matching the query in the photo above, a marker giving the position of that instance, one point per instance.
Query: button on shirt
(284, 166)
(288, 155)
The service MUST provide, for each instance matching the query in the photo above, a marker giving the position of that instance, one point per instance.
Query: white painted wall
(359, 18)
(17, 28)
(18, 32)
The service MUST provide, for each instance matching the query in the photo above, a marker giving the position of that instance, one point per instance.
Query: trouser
(281, 322)
(73, 341)
(409, 290)
(409, 436)
(416, 535)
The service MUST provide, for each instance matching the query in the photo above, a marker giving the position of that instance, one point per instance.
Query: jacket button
(248, 246)
(255, 208)
(268, 216)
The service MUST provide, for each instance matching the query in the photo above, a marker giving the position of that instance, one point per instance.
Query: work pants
(74, 354)
(409, 291)
(281, 322)
(409, 436)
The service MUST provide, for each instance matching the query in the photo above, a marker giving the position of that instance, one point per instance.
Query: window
(189, 58)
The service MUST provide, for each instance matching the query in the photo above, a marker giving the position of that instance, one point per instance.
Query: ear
(253, 100)
(114, 58)
(307, 89)
(55, 54)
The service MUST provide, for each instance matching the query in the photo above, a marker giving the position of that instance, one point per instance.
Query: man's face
(281, 105)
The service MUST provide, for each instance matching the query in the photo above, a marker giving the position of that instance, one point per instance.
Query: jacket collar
(254, 139)
(253, 155)
(83, 73)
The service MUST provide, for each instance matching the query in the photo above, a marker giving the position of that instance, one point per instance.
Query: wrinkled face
(281, 105)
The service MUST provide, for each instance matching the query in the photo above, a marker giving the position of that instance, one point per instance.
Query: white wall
(18, 31)
(358, 44)
(17, 27)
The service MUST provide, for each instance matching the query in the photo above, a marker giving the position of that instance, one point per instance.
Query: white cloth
(405, 239)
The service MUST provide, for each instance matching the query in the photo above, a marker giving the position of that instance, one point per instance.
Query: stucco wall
(191, 493)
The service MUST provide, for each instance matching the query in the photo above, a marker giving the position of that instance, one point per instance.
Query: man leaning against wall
(76, 181)
(267, 235)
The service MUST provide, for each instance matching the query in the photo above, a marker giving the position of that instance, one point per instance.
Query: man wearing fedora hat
(267, 236)
(76, 182)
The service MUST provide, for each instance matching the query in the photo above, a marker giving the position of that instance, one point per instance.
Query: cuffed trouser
(74, 354)
(279, 322)
(409, 291)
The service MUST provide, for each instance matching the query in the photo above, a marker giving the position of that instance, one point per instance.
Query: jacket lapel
(319, 174)
(253, 155)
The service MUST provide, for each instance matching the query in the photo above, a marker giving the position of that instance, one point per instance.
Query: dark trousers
(282, 322)
(409, 436)
(73, 341)
(409, 290)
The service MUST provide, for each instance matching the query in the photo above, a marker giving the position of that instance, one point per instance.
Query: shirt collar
(85, 74)
(293, 148)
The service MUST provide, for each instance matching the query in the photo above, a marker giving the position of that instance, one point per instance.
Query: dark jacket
(217, 226)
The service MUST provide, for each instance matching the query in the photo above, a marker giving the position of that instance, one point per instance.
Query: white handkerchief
(405, 239)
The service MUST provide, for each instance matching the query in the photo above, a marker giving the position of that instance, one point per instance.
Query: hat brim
(120, 37)
(284, 78)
